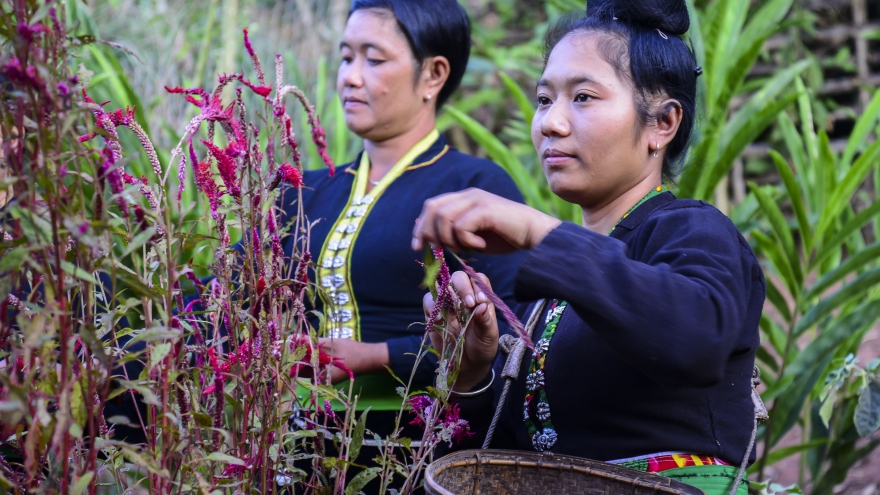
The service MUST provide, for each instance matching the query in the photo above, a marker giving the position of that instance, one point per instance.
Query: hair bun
(669, 16)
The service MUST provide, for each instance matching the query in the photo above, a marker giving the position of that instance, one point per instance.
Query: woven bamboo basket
(510, 472)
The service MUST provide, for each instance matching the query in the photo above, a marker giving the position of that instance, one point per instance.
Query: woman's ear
(435, 72)
(669, 114)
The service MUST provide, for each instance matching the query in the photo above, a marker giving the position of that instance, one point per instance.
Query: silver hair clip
(663, 35)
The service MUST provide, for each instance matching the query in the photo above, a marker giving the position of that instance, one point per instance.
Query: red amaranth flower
(324, 359)
(444, 301)
(254, 58)
(496, 301)
(320, 139)
(288, 174)
(420, 406)
(25, 76)
(29, 33)
(111, 172)
(227, 168)
(204, 180)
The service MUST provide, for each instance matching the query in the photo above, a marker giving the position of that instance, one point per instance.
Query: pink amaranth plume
(111, 172)
(320, 139)
(496, 301)
(204, 180)
(444, 301)
(254, 58)
(227, 168)
(181, 178)
(29, 33)
(287, 174)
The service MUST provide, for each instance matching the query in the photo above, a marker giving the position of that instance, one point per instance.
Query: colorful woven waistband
(658, 463)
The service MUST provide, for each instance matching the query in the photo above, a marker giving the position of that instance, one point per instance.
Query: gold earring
(657, 151)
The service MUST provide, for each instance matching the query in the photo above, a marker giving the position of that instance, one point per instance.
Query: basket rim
(560, 462)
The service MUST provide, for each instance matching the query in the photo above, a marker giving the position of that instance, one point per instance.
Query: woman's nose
(351, 74)
(555, 121)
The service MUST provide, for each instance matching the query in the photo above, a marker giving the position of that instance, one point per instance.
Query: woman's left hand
(361, 358)
(474, 219)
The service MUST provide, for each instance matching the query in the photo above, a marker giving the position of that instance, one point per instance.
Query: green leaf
(786, 452)
(856, 262)
(360, 481)
(857, 288)
(82, 483)
(77, 272)
(795, 199)
(12, 260)
(221, 457)
(851, 227)
(843, 192)
(501, 154)
(862, 131)
(774, 253)
(778, 300)
(867, 416)
(523, 102)
(357, 436)
(783, 233)
(778, 339)
(139, 240)
(159, 352)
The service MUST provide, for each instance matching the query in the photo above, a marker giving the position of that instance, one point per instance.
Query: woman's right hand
(480, 337)
(477, 220)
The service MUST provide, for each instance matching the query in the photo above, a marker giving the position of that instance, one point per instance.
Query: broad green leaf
(855, 289)
(736, 136)
(357, 484)
(778, 301)
(867, 416)
(221, 457)
(786, 452)
(802, 166)
(357, 436)
(522, 100)
(782, 232)
(789, 404)
(856, 262)
(778, 338)
(158, 353)
(842, 194)
(500, 153)
(139, 240)
(765, 357)
(795, 199)
(82, 483)
(808, 129)
(775, 255)
(866, 124)
(850, 228)
(13, 259)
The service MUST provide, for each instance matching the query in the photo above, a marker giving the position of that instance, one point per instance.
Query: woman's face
(376, 80)
(586, 128)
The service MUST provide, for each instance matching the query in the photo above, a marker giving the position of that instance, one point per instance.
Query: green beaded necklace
(536, 408)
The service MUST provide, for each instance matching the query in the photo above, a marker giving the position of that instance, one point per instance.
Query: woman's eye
(582, 98)
(542, 100)
(346, 60)
(374, 61)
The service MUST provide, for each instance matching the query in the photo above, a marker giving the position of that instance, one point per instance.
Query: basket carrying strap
(760, 415)
(516, 349)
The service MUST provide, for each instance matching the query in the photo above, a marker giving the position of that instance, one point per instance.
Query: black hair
(642, 41)
(432, 28)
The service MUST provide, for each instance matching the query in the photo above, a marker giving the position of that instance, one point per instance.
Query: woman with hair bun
(647, 320)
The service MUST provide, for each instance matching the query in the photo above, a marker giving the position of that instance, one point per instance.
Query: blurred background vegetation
(786, 146)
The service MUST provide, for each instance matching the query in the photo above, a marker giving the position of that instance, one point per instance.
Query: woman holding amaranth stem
(401, 60)
(647, 320)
